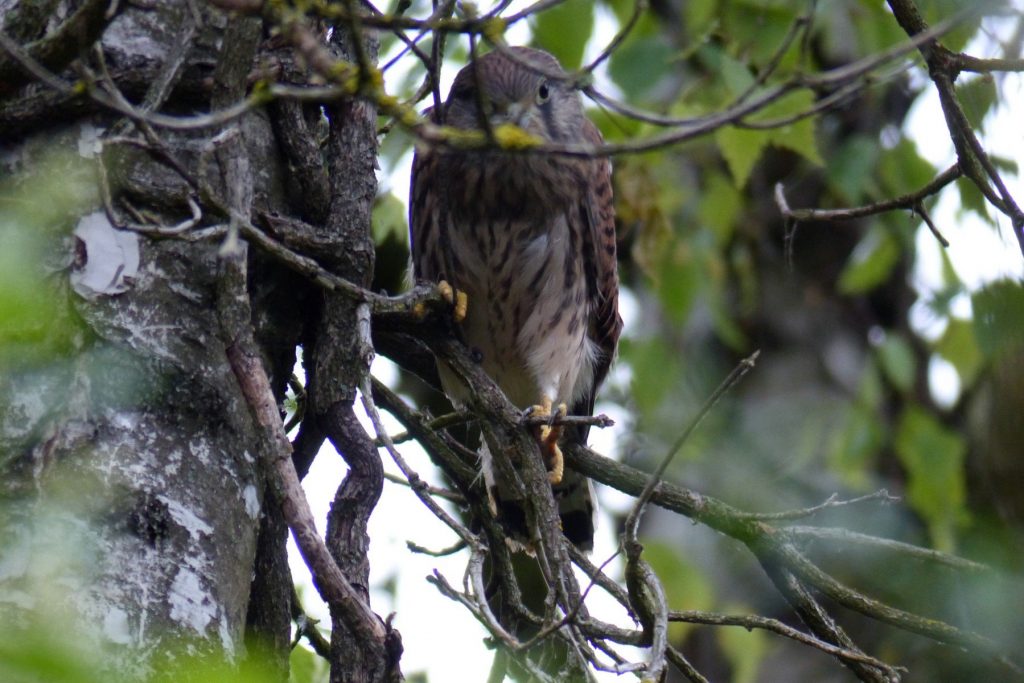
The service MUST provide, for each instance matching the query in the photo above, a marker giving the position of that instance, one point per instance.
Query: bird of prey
(530, 239)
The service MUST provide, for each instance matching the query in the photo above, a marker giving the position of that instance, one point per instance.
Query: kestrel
(530, 238)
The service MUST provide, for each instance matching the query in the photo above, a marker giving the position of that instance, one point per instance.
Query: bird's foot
(548, 436)
(555, 464)
(457, 298)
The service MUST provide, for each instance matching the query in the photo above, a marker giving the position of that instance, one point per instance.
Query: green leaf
(744, 649)
(564, 30)
(863, 435)
(956, 39)
(700, 16)
(870, 263)
(306, 666)
(656, 371)
(1005, 164)
(959, 346)
(897, 361)
(855, 447)
(977, 97)
(756, 28)
(741, 149)
(971, 199)
(388, 218)
(999, 318)
(728, 331)
(903, 169)
(933, 457)
(871, 24)
(686, 586)
(679, 282)
(797, 136)
(640, 63)
(719, 208)
(734, 74)
(851, 169)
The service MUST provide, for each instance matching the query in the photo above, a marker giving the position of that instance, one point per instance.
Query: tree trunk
(132, 472)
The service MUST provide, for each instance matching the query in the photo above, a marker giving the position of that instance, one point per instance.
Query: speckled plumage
(531, 239)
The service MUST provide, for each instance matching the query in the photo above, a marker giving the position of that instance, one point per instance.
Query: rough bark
(132, 484)
(339, 359)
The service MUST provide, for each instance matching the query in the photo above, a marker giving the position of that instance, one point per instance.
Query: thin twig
(752, 621)
(600, 421)
(435, 491)
(306, 626)
(458, 546)
(744, 366)
(419, 487)
(912, 551)
(437, 424)
(832, 501)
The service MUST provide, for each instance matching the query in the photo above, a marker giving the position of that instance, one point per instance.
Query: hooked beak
(516, 113)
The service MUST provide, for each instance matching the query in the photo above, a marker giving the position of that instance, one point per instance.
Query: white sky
(440, 636)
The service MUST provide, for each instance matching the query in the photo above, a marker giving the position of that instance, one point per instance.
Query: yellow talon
(419, 310)
(542, 409)
(461, 306)
(548, 436)
(557, 465)
(456, 297)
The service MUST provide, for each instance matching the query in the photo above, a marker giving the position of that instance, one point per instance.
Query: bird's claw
(457, 298)
(557, 464)
(548, 436)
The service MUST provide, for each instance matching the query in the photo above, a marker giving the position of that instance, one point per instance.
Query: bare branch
(913, 201)
(601, 421)
(833, 501)
(943, 68)
(853, 599)
(912, 551)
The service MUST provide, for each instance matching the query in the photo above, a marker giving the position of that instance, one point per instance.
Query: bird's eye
(543, 93)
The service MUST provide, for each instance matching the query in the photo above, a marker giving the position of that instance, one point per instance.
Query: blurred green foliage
(686, 587)
(744, 649)
(564, 30)
(49, 653)
(38, 206)
(933, 456)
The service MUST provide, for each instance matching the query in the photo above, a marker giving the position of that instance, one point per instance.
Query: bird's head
(521, 88)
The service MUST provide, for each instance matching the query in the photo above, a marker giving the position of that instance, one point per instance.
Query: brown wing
(601, 269)
(424, 240)
(427, 241)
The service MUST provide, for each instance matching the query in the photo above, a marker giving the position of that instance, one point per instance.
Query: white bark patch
(190, 604)
(252, 501)
(89, 144)
(115, 626)
(226, 640)
(123, 420)
(24, 411)
(111, 260)
(16, 558)
(200, 450)
(187, 519)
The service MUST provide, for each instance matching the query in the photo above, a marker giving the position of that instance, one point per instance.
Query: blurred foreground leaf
(686, 586)
(934, 459)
